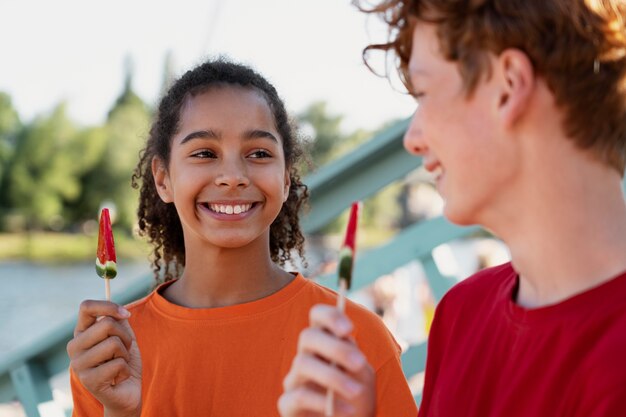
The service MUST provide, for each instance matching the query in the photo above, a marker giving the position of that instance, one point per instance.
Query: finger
(104, 376)
(330, 318)
(299, 400)
(90, 310)
(308, 369)
(126, 325)
(304, 401)
(99, 331)
(107, 350)
(344, 353)
(365, 375)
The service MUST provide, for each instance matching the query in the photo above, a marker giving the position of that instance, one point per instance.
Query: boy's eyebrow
(210, 134)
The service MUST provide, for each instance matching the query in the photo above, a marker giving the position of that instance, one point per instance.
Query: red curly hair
(577, 46)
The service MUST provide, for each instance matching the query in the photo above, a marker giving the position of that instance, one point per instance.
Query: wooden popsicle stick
(341, 305)
(107, 288)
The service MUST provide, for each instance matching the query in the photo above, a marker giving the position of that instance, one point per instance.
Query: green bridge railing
(26, 374)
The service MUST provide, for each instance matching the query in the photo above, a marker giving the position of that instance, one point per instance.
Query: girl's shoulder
(370, 332)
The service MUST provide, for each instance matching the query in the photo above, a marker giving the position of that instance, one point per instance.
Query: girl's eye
(260, 153)
(203, 154)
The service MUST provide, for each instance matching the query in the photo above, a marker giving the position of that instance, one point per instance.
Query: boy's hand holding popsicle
(104, 355)
(329, 374)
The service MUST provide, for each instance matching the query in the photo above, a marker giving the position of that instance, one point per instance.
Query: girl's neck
(219, 277)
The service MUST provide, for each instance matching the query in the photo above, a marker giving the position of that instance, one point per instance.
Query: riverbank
(48, 247)
(68, 248)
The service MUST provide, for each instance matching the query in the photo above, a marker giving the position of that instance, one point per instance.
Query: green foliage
(9, 127)
(326, 129)
(42, 173)
(329, 142)
(88, 151)
(55, 175)
(63, 248)
(127, 129)
(115, 152)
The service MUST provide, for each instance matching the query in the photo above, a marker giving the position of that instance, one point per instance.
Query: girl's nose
(232, 174)
(413, 138)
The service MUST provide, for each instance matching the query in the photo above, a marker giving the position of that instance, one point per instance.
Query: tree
(125, 131)
(328, 142)
(87, 150)
(325, 131)
(9, 127)
(42, 172)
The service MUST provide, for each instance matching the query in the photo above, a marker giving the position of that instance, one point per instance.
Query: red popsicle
(106, 262)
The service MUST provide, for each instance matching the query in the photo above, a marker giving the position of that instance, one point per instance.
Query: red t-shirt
(231, 361)
(489, 357)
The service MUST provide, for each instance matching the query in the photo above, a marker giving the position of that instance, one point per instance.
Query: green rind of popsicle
(108, 270)
(344, 268)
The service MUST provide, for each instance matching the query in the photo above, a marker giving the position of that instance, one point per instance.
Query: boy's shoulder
(484, 283)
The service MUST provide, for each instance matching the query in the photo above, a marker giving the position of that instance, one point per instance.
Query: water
(35, 297)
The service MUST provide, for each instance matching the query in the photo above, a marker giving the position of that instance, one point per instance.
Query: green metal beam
(32, 386)
(50, 347)
(25, 373)
(438, 283)
(7, 391)
(414, 359)
(413, 243)
(358, 175)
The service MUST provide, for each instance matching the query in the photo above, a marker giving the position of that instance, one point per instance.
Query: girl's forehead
(219, 91)
(227, 108)
(221, 99)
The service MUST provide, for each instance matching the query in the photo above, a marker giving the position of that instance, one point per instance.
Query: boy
(522, 119)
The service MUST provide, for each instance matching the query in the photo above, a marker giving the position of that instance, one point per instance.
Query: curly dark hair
(159, 221)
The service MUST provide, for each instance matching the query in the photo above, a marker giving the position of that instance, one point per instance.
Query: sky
(75, 51)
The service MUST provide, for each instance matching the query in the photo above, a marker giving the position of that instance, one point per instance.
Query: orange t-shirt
(231, 361)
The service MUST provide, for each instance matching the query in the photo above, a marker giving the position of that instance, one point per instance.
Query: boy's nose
(413, 137)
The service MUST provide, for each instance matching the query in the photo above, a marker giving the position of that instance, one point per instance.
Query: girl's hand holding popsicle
(103, 353)
(105, 358)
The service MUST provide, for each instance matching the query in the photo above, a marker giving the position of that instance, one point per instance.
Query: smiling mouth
(228, 208)
(437, 172)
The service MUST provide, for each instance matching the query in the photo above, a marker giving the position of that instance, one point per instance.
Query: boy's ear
(161, 180)
(518, 82)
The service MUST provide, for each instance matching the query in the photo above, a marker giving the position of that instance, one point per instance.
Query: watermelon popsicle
(344, 272)
(347, 252)
(106, 262)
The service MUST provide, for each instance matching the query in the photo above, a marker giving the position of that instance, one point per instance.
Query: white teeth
(227, 209)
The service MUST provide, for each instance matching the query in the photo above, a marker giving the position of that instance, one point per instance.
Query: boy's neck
(223, 277)
(569, 235)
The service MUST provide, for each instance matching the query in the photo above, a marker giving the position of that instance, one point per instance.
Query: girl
(219, 201)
